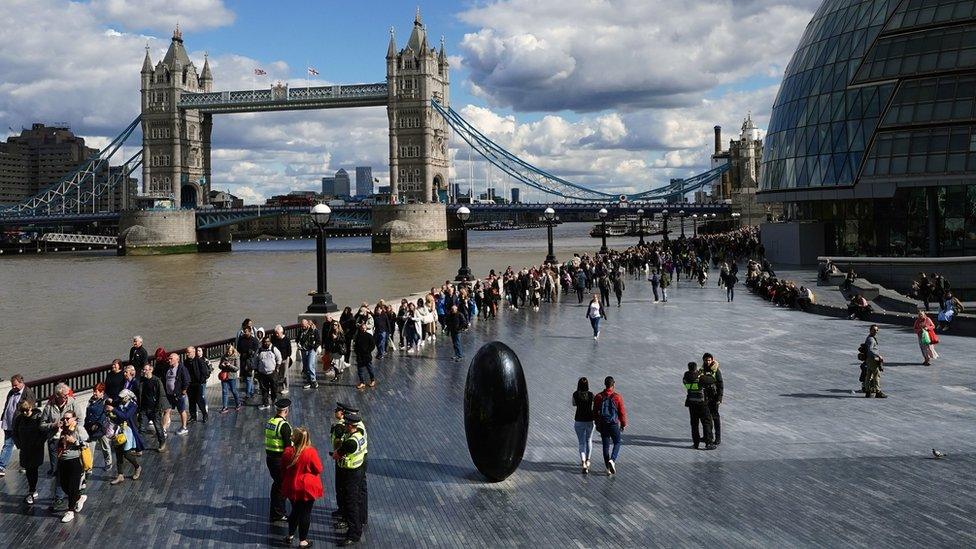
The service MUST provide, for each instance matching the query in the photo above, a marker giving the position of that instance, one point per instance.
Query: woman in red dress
(301, 483)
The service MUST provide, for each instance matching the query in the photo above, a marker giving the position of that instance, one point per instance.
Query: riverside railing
(84, 380)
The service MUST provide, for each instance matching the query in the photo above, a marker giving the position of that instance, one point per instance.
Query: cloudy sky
(619, 95)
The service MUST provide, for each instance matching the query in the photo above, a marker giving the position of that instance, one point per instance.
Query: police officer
(335, 437)
(350, 456)
(697, 407)
(277, 437)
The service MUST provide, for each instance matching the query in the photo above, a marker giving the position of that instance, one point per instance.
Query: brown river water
(65, 312)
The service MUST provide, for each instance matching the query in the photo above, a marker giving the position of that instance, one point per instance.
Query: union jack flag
(312, 71)
(259, 72)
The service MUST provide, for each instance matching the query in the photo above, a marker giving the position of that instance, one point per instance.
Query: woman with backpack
(583, 422)
(30, 439)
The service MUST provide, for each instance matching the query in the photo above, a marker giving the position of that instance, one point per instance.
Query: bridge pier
(214, 240)
(158, 232)
(409, 227)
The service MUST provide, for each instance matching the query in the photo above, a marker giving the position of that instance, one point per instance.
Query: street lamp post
(664, 217)
(464, 273)
(321, 299)
(694, 222)
(550, 214)
(603, 218)
(735, 219)
(681, 214)
(640, 225)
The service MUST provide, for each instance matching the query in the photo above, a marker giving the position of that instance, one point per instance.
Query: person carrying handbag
(924, 329)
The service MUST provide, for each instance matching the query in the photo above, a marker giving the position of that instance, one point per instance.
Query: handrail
(84, 380)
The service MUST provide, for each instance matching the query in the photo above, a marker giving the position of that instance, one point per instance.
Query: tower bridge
(178, 103)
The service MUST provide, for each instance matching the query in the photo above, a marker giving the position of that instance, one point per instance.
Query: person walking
(267, 365)
(301, 484)
(583, 421)
(309, 340)
(874, 364)
(114, 381)
(350, 455)
(277, 437)
(579, 284)
(655, 282)
(665, 283)
(927, 338)
(714, 389)
(19, 392)
(363, 346)
(454, 323)
(30, 438)
(138, 355)
(229, 365)
(611, 420)
(729, 279)
(618, 287)
(71, 439)
(697, 408)
(58, 405)
(247, 347)
(595, 312)
(196, 392)
(153, 405)
(283, 343)
(176, 383)
(122, 418)
(95, 423)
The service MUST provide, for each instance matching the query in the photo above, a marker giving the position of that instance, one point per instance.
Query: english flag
(312, 71)
(259, 72)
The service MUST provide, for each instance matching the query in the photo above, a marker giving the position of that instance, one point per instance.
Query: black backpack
(708, 385)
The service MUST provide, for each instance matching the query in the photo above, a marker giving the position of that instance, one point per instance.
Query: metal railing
(84, 380)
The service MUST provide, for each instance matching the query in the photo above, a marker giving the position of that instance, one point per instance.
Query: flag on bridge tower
(312, 71)
(259, 72)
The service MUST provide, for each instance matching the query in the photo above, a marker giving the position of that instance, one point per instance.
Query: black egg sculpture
(496, 411)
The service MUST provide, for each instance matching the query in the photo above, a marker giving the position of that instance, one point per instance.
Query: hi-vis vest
(338, 431)
(272, 435)
(355, 459)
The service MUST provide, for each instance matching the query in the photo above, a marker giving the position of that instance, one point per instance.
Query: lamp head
(550, 213)
(603, 213)
(321, 213)
(640, 211)
(464, 213)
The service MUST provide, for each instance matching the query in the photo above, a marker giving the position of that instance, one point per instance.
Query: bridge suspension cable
(79, 191)
(548, 183)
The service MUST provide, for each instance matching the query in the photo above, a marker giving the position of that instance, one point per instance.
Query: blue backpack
(608, 411)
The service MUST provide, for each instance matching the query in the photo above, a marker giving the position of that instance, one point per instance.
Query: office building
(871, 144)
(328, 185)
(515, 195)
(342, 183)
(364, 181)
(38, 158)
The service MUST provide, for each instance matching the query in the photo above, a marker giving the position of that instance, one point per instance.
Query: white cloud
(164, 15)
(592, 55)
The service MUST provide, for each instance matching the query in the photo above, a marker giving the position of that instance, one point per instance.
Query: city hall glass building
(873, 131)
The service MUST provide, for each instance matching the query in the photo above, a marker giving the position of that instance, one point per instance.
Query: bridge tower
(415, 76)
(419, 164)
(175, 141)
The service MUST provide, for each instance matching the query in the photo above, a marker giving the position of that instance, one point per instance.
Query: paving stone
(803, 461)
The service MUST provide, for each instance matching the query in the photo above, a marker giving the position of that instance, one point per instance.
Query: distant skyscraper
(342, 183)
(328, 185)
(515, 195)
(364, 180)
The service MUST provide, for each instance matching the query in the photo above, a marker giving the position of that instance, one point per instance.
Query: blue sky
(619, 95)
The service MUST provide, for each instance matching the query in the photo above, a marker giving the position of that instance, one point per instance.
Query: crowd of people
(136, 400)
(936, 288)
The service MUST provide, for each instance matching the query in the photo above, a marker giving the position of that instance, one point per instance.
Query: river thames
(68, 312)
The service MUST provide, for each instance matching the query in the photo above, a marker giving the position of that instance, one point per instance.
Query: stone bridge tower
(175, 141)
(417, 75)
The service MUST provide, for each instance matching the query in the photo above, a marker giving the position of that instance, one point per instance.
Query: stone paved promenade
(803, 462)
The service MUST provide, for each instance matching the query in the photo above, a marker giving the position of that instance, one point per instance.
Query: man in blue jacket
(176, 380)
